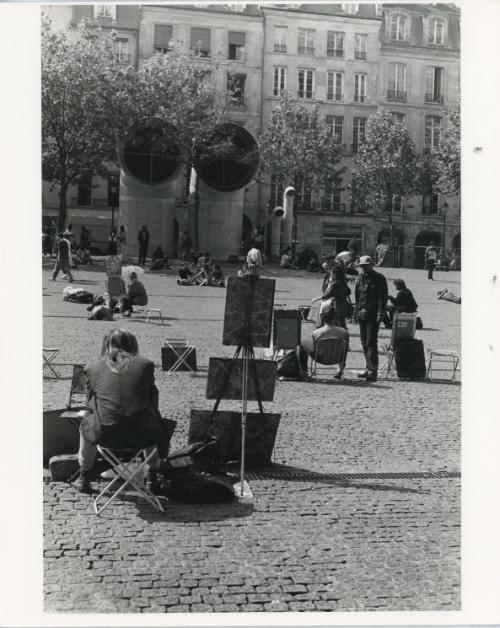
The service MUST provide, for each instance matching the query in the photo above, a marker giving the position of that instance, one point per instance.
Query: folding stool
(403, 326)
(49, 355)
(130, 472)
(443, 356)
(149, 310)
(182, 351)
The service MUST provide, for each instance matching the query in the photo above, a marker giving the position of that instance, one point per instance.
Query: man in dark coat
(63, 258)
(371, 300)
(143, 237)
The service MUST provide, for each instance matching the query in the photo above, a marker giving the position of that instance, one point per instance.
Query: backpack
(82, 296)
(289, 367)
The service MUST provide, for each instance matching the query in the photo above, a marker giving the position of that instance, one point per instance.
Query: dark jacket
(404, 301)
(143, 237)
(126, 402)
(339, 291)
(371, 294)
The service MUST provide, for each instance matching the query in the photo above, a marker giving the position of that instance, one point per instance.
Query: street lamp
(444, 209)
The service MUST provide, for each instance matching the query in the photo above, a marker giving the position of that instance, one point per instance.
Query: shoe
(82, 484)
(371, 376)
(363, 375)
(109, 474)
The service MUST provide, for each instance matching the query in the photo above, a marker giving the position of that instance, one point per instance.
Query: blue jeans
(368, 332)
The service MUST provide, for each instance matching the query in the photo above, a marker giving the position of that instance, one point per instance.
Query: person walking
(371, 295)
(63, 258)
(430, 260)
(254, 259)
(143, 237)
(122, 241)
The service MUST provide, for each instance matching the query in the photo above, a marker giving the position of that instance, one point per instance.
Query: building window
(305, 84)
(105, 10)
(236, 46)
(336, 124)
(113, 190)
(236, 7)
(277, 190)
(279, 82)
(351, 8)
(163, 38)
(335, 86)
(200, 41)
(359, 87)
(432, 132)
(399, 27)
(335, 44)
(304, 195)
(121, 51)
(397, 82)
(434, 85)
(332, 200)
(398, 117)
(360, 46)
(378, 10)
(306, 41)
(397, 204)
(435, 31)
(358, 133)
(280, 38)
(236, 89)
(430, 203)
(85, 191)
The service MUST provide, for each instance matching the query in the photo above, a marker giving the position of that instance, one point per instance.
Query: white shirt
(254, 258)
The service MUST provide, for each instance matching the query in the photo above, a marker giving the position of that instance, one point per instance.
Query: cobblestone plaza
(363, 516)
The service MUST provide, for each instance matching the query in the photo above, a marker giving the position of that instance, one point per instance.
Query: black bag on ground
(410, 358)
(289, 367)
(420, 324)
(196, 457)
(81, 297)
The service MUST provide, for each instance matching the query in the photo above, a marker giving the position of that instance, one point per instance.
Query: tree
(298, 148)
(84, 107)
(384, 166)
(179, 91)
(446, 158)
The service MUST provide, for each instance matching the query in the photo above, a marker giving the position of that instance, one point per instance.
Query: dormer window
(351, 8)
(398, 27)
(236, 7)
(434, 30)
(105, 10)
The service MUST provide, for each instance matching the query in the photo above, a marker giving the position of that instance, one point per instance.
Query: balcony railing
(305, 50)
(435, 98)
(335, 52)
(123, 59)
(359, 98)
(328, 205)
(198, 52)
(358, 54)
(280, 47)
(239, 55)
(396, 94)
(306, 95)
(162, 49)
(339, 97)
(236, 101)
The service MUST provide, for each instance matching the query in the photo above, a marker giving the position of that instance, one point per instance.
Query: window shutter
(163, 36)
(407, 25)
(429, 80)
(238, 39)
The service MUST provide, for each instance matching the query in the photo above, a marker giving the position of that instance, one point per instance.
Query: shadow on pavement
(180, 512)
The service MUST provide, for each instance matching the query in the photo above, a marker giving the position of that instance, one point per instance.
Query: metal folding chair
(181, 349)
(403, 326)
(439, 357)
(49, 355)
(129, 466)
(327, 352)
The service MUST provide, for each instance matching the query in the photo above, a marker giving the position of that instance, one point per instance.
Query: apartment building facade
(350, 60)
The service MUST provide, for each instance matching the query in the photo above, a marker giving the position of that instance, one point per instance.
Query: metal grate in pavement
(311, 475)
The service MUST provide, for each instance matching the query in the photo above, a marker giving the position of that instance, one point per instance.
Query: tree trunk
(63, 206)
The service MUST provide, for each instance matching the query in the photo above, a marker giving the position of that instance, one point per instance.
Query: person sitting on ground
(136, 295)
(404, 301)
(121, 392)
(254, 259)
(446, 295)
(313, 265)
(159, 260)
(243, 271)
(205, 270)
(329, 329)
(82, 255)
(195, 255)
(287, 259)
(185, 276)
(217, 277)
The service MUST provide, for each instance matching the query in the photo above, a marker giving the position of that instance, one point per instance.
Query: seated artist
(402, 302)
(159, 260)
(217, 277)
(185, 276)
(136, 295)
(121, 392)
(287, 259)
(330, 329)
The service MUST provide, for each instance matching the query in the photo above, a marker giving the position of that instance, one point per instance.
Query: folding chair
(49, 355)
(439, 357)
(178, 354)
(327, 352)
(156, 310)
(403, 326)
(78, 386)
(129, 466)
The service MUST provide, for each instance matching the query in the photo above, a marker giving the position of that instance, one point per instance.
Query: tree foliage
(446, 158)
(85, 107)
(298, 147)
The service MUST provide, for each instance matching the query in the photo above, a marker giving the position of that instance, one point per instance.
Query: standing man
(185, 246)
(143, 237)
(122, 241)
(63, 258)
(371, 299)
(254, 259)
(430, 260)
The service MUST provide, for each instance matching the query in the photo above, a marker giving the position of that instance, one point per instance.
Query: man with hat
(371, 295)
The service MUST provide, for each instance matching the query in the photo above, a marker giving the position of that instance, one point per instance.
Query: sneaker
(371, 376)
(363, 375)
(109, 474)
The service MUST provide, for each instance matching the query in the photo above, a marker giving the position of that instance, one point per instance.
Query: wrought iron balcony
(305, 94)
(123, 59)
(358, 54)
(434, 98)
(359, 98)
(239, 55)
(305, 50)
(396, 94)
(335, 52)
(328, 205)
(280, 47)
(339, 97)
(236, 100)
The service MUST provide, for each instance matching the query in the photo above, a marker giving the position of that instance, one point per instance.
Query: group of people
(205, 273)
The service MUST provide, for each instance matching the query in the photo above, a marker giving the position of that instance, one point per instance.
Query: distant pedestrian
(371, 300)
(63, 258)
(254, 259)
(113, 242)
(185, 244)
(122, 241)
(381, 249)
(430, 260)
(143, 237)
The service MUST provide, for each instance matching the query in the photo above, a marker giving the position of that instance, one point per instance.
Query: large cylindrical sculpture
(221, 190)
(150, 182)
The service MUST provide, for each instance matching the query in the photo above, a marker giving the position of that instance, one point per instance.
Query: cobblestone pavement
(374, 526)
